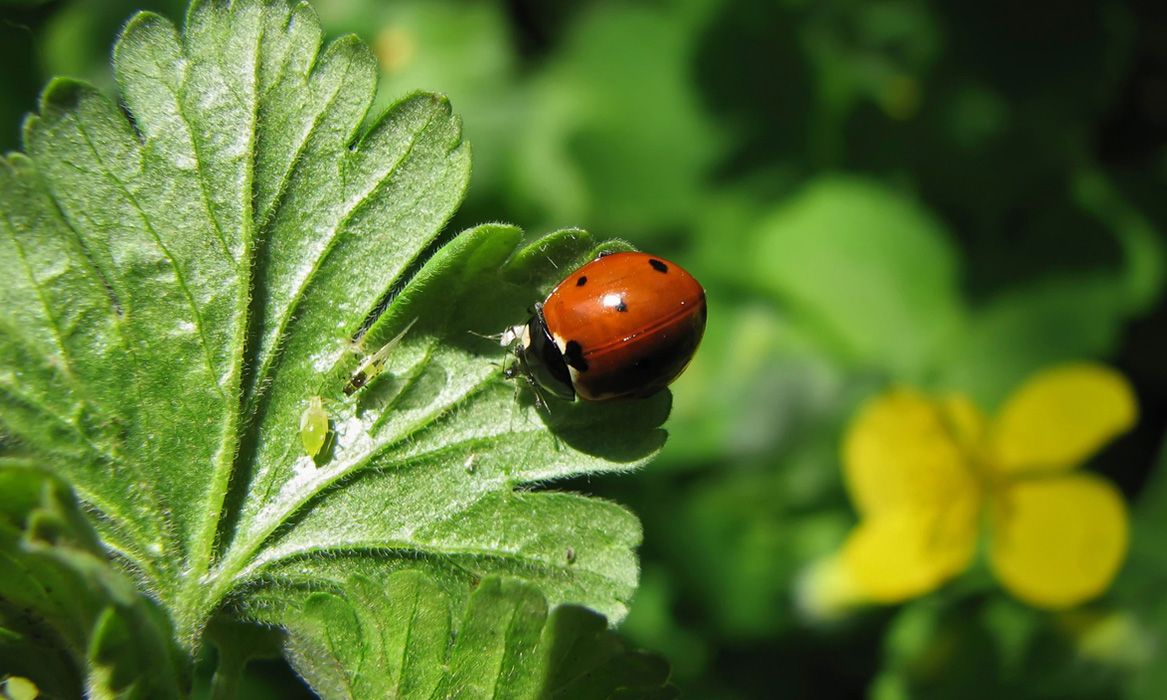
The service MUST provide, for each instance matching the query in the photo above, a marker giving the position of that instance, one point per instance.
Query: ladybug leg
(506, 340)
(508, 370)
(514, 371)
(540, 403)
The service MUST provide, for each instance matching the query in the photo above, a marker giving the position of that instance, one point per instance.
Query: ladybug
(624, 325)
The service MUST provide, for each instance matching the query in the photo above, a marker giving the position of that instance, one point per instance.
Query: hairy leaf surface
(334, 636)
(191, 265)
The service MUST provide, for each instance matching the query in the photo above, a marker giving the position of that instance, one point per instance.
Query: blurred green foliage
(951, 195)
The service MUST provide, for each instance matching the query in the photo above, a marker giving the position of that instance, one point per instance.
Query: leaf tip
(145, 19)
(198, 7)
(138, 25)
(356, 50)
(63, 94)
(27, 129)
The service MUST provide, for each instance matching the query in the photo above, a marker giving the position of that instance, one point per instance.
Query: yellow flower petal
(1059, 541)
(908, 552)
(901, 451)
(1061, 416)
(966, 421)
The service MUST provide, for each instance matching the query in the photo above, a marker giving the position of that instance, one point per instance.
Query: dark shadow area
(621, 430)
(589, 661)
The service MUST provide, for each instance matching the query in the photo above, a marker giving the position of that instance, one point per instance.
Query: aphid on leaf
(314, 426)
(374, 364)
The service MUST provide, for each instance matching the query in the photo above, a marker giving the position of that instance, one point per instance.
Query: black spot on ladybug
(573, 355)
(621, 307)
(658, 265)
(581, 281)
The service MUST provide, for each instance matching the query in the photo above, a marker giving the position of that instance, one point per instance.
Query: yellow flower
(926, 473)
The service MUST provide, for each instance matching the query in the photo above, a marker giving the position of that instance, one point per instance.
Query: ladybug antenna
(488, 336)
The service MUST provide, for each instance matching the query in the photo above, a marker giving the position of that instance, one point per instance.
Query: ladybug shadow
(620, 430)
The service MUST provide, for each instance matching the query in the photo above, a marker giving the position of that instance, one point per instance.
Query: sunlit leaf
(193, 266)
(508, 644)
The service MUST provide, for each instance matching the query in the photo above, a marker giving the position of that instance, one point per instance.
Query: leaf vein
(448, 555)
(13, 391)
(297, 296)
(306, 136)
(164, 533)
(179, 277)
(54, 322)
(184, 119)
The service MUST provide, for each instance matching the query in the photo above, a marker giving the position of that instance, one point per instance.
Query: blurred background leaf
(947, 194)
(869, 269)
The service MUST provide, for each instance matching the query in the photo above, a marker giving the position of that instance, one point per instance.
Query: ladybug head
(538, 359)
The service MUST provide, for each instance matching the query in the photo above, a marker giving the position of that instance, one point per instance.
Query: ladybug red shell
(624, 325)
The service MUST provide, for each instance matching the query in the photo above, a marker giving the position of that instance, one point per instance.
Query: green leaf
(588, 661)
(190, 267)
(616, 134)
(866, 267)
(63, 607)
(1141, 278)
(507, 645)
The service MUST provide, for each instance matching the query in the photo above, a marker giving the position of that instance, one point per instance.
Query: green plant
(186, 276)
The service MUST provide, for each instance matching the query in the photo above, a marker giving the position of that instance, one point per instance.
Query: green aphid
(314, 426)
(373, 364)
